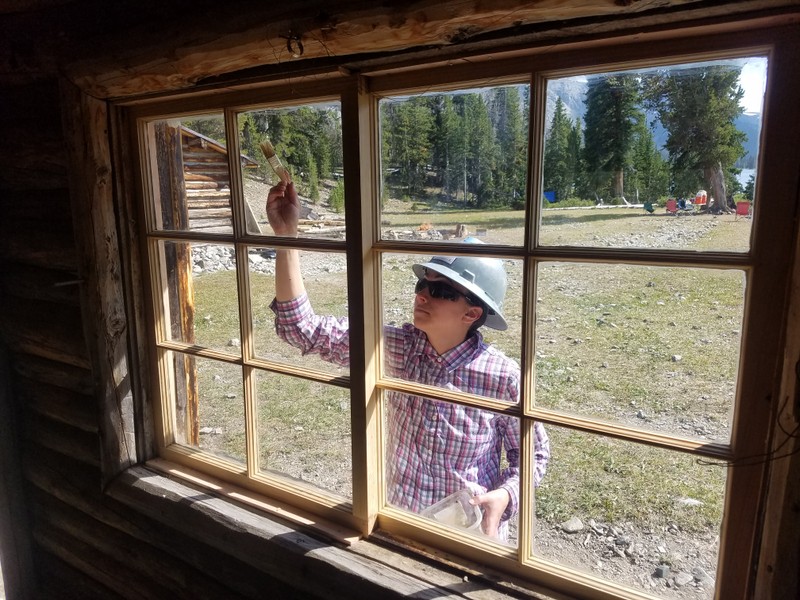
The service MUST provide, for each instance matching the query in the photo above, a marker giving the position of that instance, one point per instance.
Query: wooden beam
(132, 52)
(778, 577)
(104, 319)
(271, 545)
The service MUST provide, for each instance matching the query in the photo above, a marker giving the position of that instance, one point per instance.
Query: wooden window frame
(767, 277)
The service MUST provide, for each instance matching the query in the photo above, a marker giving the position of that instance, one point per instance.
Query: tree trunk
(619, 183)
(717, 201)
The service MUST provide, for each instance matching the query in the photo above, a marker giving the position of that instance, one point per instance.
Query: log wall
(63, 536)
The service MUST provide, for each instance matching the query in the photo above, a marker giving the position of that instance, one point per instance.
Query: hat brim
(494, 320)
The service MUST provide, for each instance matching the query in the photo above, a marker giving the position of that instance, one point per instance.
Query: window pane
(209, 405)
(438, 451)
(201, 292)
(191, 180)
(632, 154)
(304, 431)
(636, 515)
(649, 347)
(325, 278)
(455, 164)
(406, 329)
(305, 143)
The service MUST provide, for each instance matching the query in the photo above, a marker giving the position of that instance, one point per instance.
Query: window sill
(285, 549)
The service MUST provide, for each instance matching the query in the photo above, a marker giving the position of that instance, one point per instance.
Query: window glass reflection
(630, 155)
(192, 186)
(208, 405)
(642, 517)
(454, 164)
(302, 144)
(650, 347)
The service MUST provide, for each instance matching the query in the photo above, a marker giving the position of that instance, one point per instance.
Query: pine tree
(575, 159)
(406, 128)
(507, 121)
(558, 174)
(648, 174)
(698, 108)
(612, 110)
(480, 150)
(454, 162)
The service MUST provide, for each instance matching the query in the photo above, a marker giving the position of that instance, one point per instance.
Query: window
(605, 191)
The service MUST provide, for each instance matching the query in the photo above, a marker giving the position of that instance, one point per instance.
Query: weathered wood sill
(315, 567)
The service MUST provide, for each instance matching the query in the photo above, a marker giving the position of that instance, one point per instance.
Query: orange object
(700, 199)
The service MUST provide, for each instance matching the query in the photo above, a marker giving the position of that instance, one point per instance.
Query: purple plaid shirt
(434, 448)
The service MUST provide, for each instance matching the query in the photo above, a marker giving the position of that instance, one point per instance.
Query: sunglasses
(445, 291)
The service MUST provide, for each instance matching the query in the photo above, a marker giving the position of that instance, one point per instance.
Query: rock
(702, 577)
(676, 358)
(661, 572)
(682, 579)
(689, 502)
(234, 342)
(574, 525)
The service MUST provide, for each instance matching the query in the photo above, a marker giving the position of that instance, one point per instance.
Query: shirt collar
(455, 357)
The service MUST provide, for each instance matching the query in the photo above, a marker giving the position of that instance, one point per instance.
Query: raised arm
(283, 210)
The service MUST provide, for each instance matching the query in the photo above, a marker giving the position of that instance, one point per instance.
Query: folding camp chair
(672, 206)
(742, 210)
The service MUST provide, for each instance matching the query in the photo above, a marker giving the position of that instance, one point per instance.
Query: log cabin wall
(206, 181)
(70, 540)
(61, 534)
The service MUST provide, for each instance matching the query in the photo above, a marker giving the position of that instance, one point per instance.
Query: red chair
(672, 206)
(742, 210)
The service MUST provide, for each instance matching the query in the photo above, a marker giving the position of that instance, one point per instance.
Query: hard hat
(484, 278)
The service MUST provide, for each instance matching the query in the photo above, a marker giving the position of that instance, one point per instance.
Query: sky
(753, 81)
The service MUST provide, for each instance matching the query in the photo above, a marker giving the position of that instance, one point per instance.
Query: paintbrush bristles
(274, 162)
(267, 149)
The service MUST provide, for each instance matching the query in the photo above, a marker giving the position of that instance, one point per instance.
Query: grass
(650, 347)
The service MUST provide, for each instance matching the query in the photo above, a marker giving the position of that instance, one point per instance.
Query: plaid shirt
(434, 448)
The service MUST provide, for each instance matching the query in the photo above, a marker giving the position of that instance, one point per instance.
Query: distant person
(434, 448)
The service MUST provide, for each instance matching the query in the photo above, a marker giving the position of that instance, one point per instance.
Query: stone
(574, 525)
(682, 579)
(702, 577)
(661, 572)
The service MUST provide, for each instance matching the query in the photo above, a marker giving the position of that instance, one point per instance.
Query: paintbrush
(275, 162)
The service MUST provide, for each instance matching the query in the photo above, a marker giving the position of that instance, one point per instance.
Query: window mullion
(358, 131)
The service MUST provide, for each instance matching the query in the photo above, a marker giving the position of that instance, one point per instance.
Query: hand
(494, 504)
(283, 209)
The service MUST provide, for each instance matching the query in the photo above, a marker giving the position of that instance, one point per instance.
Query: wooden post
(178, 257)
(85, 123)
